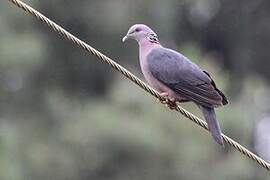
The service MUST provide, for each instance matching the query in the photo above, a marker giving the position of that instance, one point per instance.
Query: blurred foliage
(64, 115)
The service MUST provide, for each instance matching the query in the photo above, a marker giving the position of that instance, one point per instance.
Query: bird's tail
(210, 117)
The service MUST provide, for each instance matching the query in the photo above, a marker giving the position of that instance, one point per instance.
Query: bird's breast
(145, 70)
(152, 81)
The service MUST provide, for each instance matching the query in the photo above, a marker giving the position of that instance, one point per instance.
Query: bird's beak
(125, 38)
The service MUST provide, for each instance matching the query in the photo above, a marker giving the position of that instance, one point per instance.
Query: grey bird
(176, 78)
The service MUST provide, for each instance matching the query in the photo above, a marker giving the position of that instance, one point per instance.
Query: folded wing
(184, 77)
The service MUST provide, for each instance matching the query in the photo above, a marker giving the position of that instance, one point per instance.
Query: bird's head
(141, 32)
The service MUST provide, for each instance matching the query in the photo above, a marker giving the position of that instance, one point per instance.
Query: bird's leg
(169, 102)
(165, 95)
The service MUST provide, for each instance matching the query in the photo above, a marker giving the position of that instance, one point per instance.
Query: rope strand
(133, 78)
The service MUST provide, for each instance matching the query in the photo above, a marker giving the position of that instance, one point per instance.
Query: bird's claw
(169, 102)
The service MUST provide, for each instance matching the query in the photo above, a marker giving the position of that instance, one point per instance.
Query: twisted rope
(134, 79)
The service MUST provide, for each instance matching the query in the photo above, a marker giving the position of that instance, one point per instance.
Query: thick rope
(133, 78)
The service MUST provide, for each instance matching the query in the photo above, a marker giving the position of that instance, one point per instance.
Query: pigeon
(177, 78)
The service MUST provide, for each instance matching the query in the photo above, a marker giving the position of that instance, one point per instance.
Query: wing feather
(184, 77)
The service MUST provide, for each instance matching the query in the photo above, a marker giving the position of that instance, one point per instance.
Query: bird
(177, 78)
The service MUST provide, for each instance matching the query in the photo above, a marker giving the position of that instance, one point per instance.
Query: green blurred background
(65, 115)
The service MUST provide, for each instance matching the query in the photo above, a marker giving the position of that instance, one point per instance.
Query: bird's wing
(184, 77)
(224, 98)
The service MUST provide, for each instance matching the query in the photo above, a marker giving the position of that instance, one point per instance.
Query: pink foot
(169, 102)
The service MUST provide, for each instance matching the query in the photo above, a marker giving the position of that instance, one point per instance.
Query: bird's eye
(137, 29)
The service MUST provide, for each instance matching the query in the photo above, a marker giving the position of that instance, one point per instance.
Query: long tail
(210, 117)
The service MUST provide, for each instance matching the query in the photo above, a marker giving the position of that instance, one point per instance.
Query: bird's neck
(145, 46)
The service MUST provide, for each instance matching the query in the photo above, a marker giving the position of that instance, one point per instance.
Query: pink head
(141, 32)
